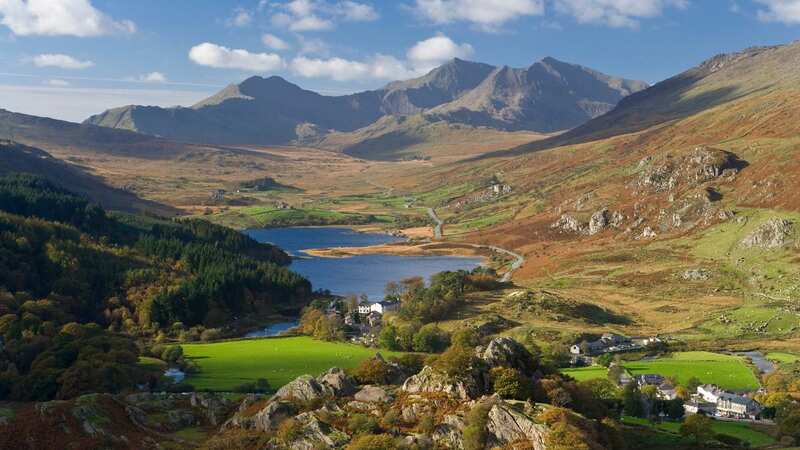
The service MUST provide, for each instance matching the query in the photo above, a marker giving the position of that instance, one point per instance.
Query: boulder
(315, 435)
(373, 394)
(506, 425)
(339, 383)
(696, 275)
(303, 388)
(432, 381)
(506, 352)
(567, 224)
(266, 419)
(598, 222)
(449, 433)
(775, 233)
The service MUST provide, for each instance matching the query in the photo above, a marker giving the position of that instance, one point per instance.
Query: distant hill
(18, 158)
(548, 96)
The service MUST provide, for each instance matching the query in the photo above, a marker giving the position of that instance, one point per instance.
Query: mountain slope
(548, 96)
(18, 158)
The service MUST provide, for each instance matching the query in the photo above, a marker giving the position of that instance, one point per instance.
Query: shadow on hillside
(662, 103)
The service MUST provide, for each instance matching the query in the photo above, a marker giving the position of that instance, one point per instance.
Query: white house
(384, 307)
(364, 308)
(709, 393)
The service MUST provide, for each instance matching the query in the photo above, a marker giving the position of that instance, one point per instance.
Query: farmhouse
(737, 406)
(608, 343)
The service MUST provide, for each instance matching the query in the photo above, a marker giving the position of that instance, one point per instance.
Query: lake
(361, 274)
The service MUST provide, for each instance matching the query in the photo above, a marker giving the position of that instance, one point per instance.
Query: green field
(586, 373)
(224, 365)
(738, 430)
(728, 372)
(781, 357)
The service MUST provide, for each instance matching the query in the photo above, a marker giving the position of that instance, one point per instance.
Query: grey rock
(568, 224)
(598, 222)
(338, 382)
(696, 275)
(507, 425)
(432, 381)
(506, 352)
(773, 234)
(373, 394)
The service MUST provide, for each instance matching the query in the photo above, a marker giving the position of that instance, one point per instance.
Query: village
(705, 399)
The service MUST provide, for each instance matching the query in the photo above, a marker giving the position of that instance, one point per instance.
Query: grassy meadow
(728, 372)
(742, 431)
(225, 365)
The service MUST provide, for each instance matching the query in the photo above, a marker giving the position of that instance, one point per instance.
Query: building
(364, 308)
(218, 194)
(384, 307)
(649, 379)
(709, 393)
(608, 343)
(737, 406)
(666, 391)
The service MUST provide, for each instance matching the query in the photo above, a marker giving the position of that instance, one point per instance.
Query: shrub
(466, 337)
(210, 334)
(409, 362)
(362, 424)
(172, 354)
(431, 339)
(698, 427)
(289, 430)
(376, 442)
(456, 360)
(510, 383)
(372, 371)
(475, 434)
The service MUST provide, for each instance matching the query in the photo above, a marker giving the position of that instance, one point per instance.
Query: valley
(461, 267)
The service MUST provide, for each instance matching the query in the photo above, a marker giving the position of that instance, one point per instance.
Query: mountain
(548, 96)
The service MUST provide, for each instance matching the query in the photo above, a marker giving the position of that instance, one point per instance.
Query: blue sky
(72, 58)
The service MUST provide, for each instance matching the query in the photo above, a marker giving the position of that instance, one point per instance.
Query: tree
(456, 360)
(692, 384)
(373, 371)
(605, 359)
(510, 383)
(697, 427)
(388, 338)
(674, 409)
(632, 400)
(466, 337)
(615, 373)
(475, 435)
(431, 339)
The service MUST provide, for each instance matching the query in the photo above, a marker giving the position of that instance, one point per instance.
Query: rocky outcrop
(567, 224)
(598, 222)
(773, 234)
(506, 426)
(373, 394)
(429, 380)
(266, 419)
(696, 275)
(315, 434)
(334, 382)
(506, 352)
(701, 165)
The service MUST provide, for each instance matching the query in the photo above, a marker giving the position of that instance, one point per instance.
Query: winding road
(519, 260)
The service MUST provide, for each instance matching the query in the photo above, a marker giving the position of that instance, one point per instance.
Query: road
(437, 229)
(519, 260)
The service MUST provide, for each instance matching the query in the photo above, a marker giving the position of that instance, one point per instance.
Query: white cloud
(486, 14)
(356, 12)
(240, 18)
(320, 15)
(152, 77)
(616, 13)
(56, 83)
(60, 18)
(338, 69)
(274, 42)
(786, 11)
(420, 58)
(312, 46)
(213, 55)
(60, 61)
(434, 51)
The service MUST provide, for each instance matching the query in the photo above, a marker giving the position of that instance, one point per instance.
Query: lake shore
(403, 249)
